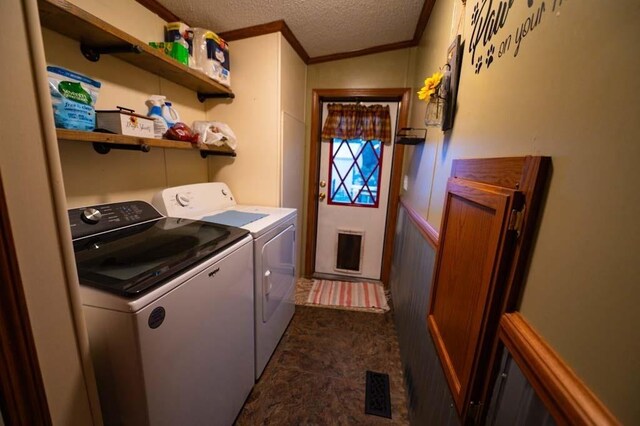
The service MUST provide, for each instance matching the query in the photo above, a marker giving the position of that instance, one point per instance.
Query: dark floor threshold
(377, 399)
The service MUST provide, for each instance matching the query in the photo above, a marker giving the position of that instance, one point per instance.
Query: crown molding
(268, 28)
(425, 14)
(282, 27)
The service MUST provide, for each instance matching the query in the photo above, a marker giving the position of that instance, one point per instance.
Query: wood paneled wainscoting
(412, 267)
(528, 383)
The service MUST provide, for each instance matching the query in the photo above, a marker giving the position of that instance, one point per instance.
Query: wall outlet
(405, 183)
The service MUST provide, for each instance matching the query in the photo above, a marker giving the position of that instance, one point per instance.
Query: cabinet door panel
(472, 241)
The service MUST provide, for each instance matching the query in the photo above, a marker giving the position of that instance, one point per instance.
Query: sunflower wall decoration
(434, 94)
(441, 88)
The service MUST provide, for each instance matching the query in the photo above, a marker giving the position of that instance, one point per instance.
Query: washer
(168, 305)
(274, 233)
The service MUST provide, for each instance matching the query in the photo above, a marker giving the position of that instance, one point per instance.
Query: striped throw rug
(348, 294)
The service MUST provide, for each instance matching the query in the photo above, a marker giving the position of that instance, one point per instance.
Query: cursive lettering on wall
(488, 19)
(528, 25)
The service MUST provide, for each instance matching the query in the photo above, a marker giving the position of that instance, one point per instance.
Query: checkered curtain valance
(354, 121)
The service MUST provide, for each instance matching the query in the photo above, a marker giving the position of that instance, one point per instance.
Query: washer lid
(133, 260)
(234, 218)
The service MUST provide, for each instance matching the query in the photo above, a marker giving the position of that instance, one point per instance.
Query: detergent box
(218, 50)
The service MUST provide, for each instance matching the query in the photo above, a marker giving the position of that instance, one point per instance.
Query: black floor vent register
(377, 400)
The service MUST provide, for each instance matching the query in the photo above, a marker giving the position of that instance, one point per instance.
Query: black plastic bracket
(204, 96)
(205, 154)
(104, 148)
(93, 53)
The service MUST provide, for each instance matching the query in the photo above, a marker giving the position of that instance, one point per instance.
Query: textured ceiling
(322, 27)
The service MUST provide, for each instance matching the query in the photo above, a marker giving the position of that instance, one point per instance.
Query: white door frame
(401, 95)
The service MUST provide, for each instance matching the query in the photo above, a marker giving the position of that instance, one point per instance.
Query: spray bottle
(156, 104)
(169, 114)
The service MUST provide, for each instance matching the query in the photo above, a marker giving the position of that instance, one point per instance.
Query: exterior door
(352, 204)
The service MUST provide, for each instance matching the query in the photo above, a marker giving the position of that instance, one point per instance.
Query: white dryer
(274, 232)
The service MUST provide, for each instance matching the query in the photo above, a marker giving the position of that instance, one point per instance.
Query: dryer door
(278, 271)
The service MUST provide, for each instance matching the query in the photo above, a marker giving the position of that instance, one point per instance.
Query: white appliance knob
(183, 199)
(91, 216)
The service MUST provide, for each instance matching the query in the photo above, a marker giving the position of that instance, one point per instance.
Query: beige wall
(254, 116)
(572, 94)
(267, 117)
(127, 15)
(91, 178)
(267, 114)
(34, 214)
(386, 69)
(294, 79)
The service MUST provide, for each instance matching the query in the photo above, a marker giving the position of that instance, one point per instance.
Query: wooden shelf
(113, 139)
(71, 21)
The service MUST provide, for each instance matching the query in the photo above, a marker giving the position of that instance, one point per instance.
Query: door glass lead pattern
(354, 172)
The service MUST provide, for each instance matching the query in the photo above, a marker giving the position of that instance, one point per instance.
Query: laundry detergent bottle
(169, 114)
(155, 104)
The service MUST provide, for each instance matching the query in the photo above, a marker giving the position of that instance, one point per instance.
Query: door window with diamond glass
(354, 172)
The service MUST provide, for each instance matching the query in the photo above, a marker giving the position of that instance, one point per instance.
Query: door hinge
(516, 220)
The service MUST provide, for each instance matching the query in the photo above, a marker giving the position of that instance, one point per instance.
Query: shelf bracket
(411, 136)
(104, 148)
(92, 53)
(204, 96)
(205, 154)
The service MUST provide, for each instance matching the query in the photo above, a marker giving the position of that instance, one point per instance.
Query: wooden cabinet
(489, 216)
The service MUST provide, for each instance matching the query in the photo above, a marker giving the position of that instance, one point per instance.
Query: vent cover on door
(349, 252)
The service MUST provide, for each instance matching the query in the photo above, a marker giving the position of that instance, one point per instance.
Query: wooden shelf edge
(69, 20)
(564, 394)
(110, 138)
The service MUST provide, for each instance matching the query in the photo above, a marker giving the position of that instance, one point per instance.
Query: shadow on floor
(317, 374)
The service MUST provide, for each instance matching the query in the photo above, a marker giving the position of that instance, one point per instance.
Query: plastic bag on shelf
(215, 133)
(181, 132)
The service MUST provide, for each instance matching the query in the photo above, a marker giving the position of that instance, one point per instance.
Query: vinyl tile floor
(316, 375)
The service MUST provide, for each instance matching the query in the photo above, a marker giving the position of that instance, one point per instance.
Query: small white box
(125, 122)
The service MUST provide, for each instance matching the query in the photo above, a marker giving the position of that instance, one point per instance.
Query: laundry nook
(416, 212)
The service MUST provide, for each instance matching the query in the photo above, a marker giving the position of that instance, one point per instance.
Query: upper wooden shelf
(68, 19)
(110, 140)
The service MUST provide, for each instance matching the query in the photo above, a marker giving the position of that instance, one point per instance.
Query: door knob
(323, 183)
(322, 196)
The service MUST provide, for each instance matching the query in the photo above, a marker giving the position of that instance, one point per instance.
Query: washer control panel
(91, 220)
(183, 198)
(91, 215)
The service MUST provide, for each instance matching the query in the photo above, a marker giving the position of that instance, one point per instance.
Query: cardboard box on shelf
(125, 122)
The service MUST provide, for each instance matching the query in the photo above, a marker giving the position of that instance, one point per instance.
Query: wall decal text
(488, 19)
